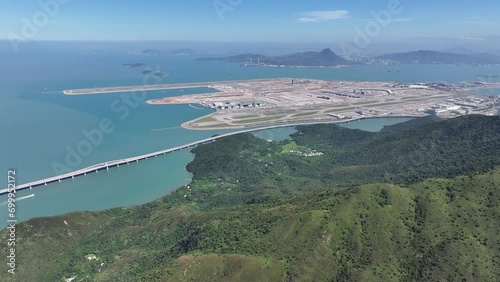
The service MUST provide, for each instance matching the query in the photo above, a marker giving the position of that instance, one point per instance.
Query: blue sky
(249, 20)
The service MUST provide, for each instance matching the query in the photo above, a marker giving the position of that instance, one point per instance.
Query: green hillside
(416, 202)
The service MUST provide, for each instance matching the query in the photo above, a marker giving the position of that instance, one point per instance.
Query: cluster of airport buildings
(235, 105)
(462, 106)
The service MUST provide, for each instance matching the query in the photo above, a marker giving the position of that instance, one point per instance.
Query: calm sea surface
(41, 126)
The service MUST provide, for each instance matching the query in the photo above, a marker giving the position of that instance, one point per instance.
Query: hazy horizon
(365, 27)
(267, 48)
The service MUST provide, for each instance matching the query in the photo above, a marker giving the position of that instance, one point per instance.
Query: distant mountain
(433, 57)
(326, 58)
(459, 50)
(155, 52)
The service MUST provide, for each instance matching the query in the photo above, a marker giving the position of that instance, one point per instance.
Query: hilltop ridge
(417, 201)
(324, 58)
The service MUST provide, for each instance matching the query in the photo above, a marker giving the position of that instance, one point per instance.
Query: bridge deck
(115, 163)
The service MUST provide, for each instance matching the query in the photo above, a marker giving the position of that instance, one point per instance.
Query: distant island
(135, 65)
(145, 71)
(324, 58)
(159, 73)
(434, 57)
(176, 52)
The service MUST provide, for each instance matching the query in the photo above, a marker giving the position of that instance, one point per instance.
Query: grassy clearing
(257, 120)
(214, 126)
(384, 104)
(206, 120)
(245, 116)
(364, 103)
(410, 98)
(304, 114)
(286, 148)
(216, 268)
(336, 110)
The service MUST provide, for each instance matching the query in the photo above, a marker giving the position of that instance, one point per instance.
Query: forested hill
(425, 148)
(415, 202)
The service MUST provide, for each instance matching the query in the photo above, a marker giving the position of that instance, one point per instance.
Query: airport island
(264, 102)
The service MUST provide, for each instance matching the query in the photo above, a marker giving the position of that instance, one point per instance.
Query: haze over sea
(39, 123)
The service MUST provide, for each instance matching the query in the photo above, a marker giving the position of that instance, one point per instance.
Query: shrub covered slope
(416, 202)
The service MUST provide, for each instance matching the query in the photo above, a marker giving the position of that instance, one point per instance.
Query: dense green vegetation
(416, 202)
(421, 150)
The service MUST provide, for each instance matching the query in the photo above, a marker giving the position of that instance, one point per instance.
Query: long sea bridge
(117, 163)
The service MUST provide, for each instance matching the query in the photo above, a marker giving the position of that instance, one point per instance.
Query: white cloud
(401, 20)
(322, 16)
(470, 38)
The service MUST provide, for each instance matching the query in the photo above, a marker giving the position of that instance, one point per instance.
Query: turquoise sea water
(128, 185)
(276, 134)
(373, 125)
(40, 125)
(489, 91)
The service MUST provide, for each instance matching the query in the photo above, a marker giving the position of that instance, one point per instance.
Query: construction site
(281, 101)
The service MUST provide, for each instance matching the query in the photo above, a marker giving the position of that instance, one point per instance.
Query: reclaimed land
(233, 101)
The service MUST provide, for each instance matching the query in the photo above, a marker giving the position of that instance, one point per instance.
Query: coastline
(187, 181)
